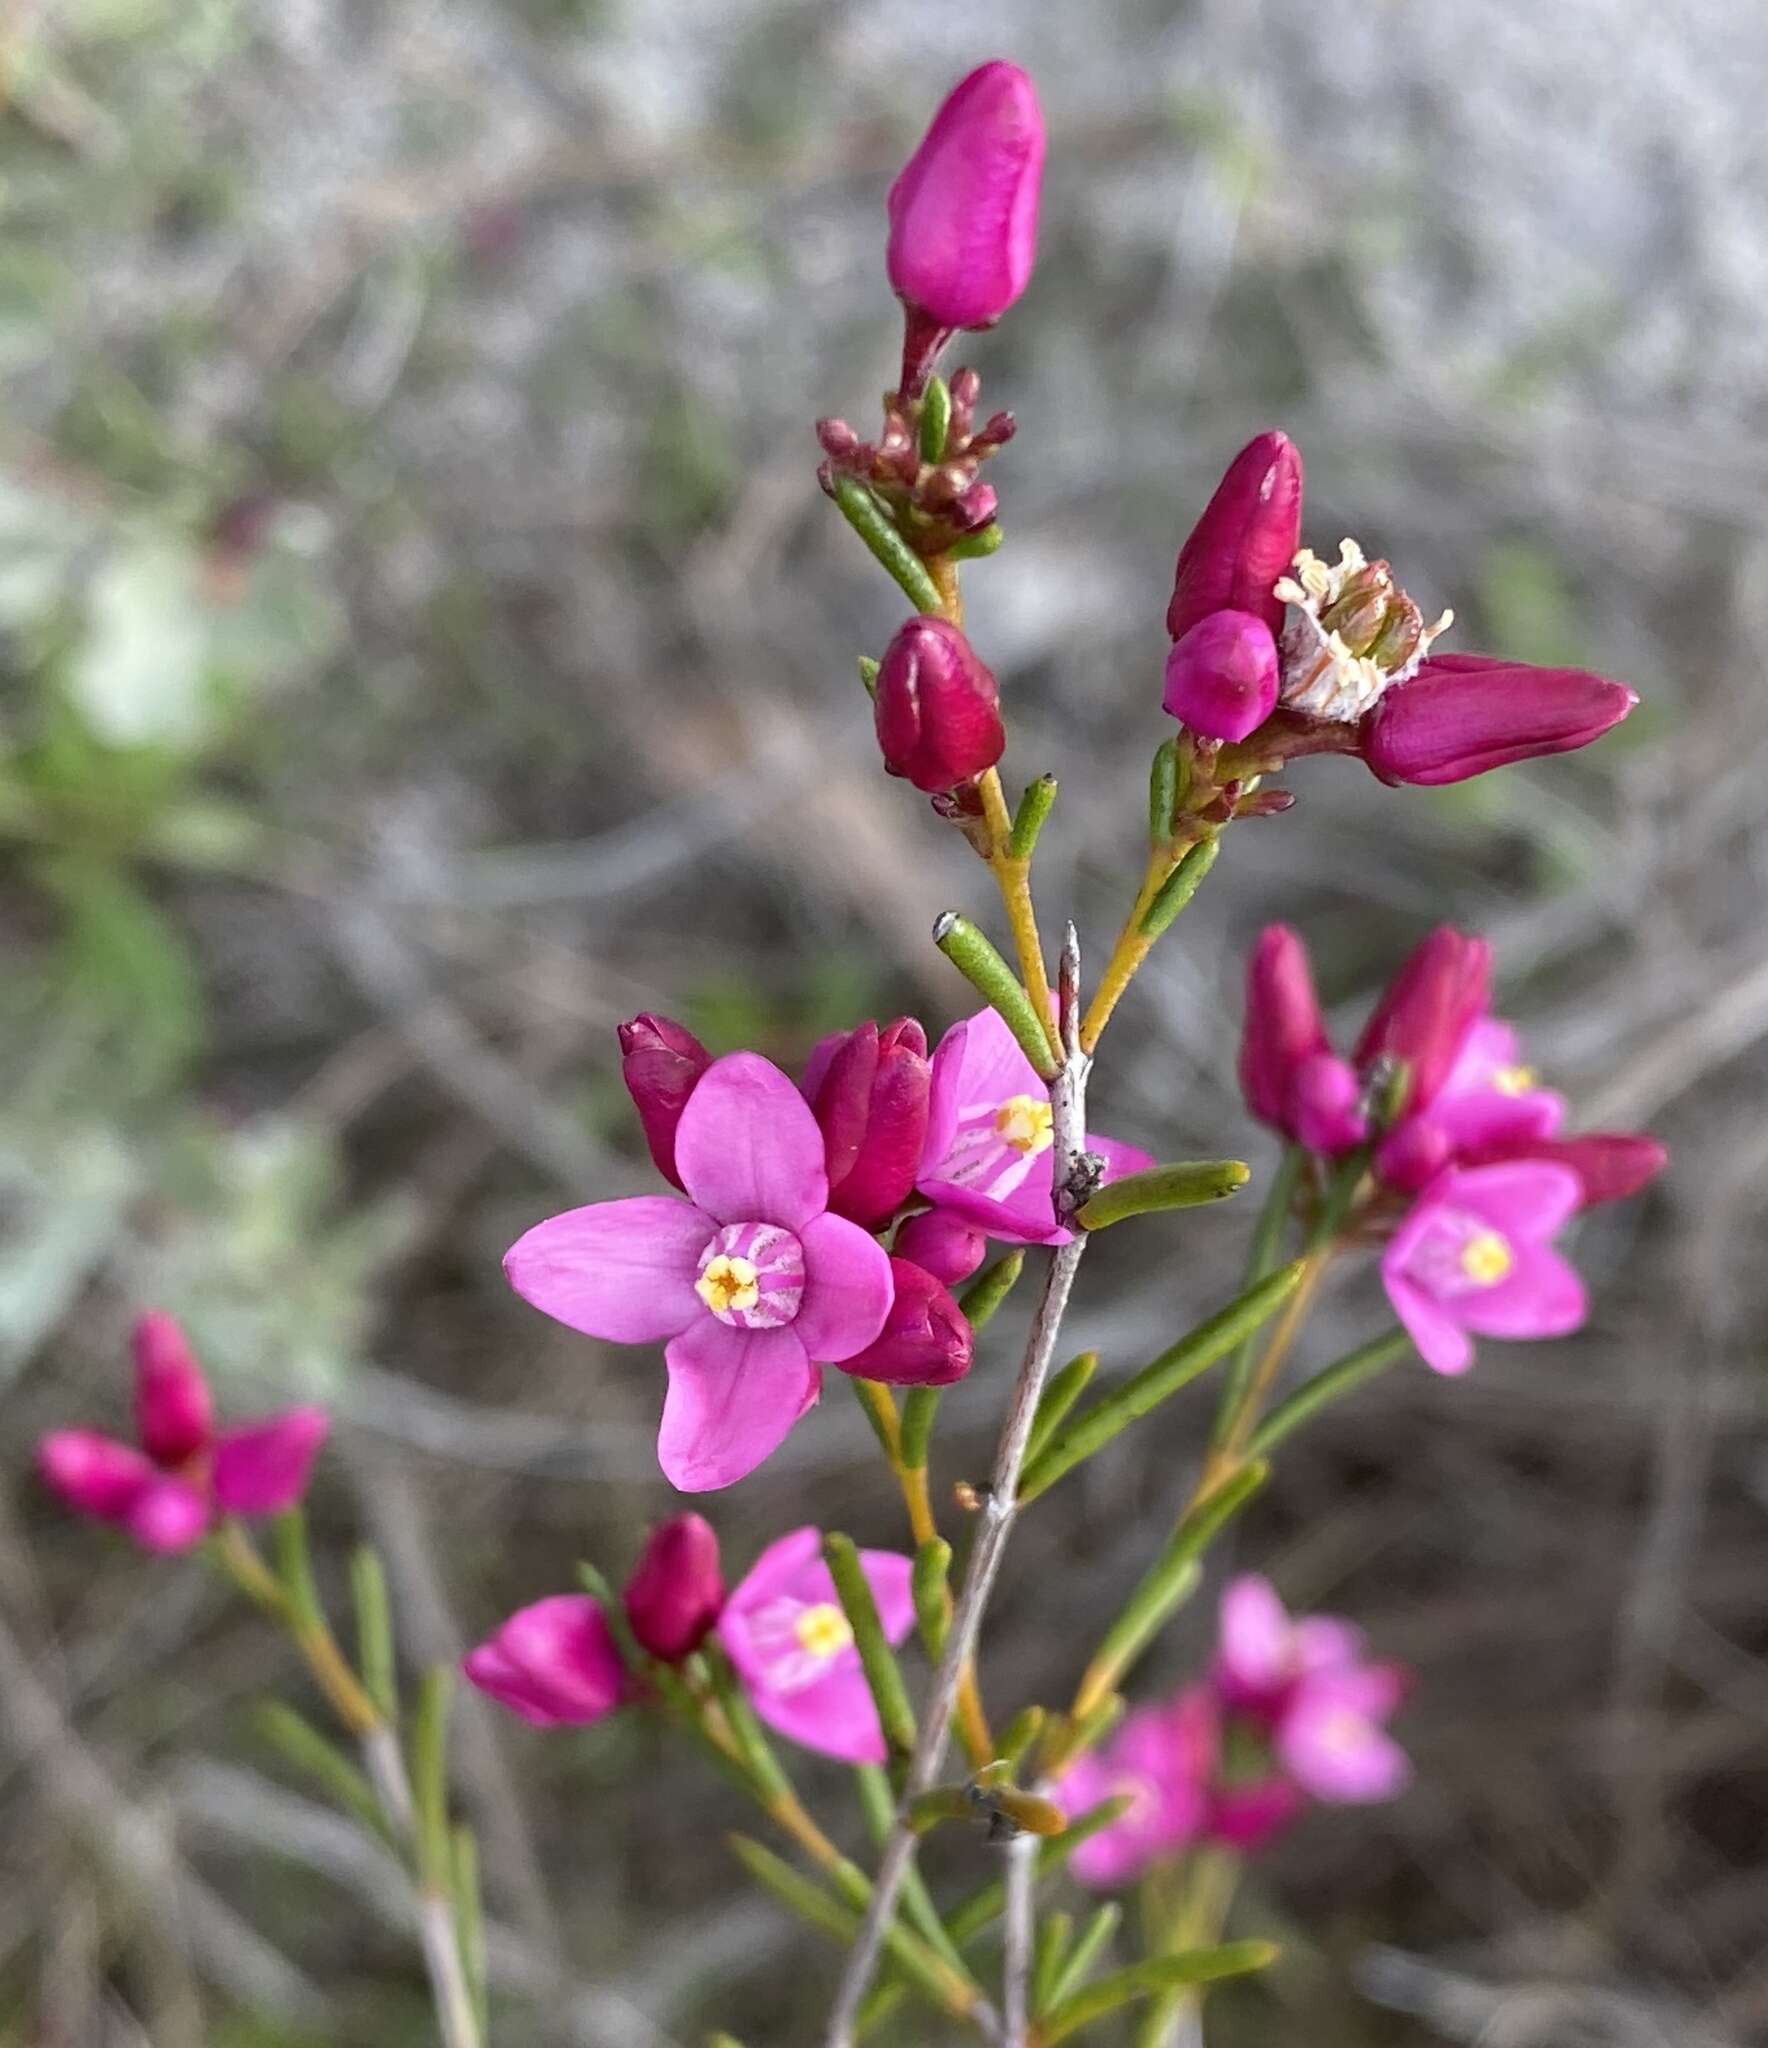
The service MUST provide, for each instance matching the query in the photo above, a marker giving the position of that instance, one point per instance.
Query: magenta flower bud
(555, 1663)
(174, 1413)
(94, 1474)
(1245, 540)
(1610, 1165)
(660, 1061)
(1325, 1098)
(1463, 714)
(926, 1341)
(871, 1105)
(1412, 1154)
(963, 213)
(1221, 678)
(1283, 1025)
(975, 508)
(937, 707)
(942, 1244)
(1427, 1010)
(676, 1591)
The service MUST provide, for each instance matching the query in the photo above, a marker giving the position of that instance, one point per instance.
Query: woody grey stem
(1021, 1887)
(1076, 1172)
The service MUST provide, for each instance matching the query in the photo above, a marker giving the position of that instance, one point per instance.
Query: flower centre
(798, 1640)
(1026, 1124)
(1351, 633)
(1343, 1734)
(752, 1276)
(822, 1631)
(1486, 1259)
(1514, 1080)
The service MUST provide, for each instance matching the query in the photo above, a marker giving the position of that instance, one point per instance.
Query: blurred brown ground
(517, 694)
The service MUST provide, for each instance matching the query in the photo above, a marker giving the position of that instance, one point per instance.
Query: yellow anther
(1025, 1123)
(1514, 1080)
(823, 1631)
(728, 1284)
(1486, 1259)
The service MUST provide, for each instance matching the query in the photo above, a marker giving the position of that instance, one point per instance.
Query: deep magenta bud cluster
(937, 707)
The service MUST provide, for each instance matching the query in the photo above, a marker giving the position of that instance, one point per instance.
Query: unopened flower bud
(976, 507)
(1463, 714)
(174, 1412)
(937, 708)
(676, 1591)
(1610, 1165)
(926, 1341)
(871, 1104)
(553, 1663)
(1221, 678)
(1283, 1026)
(838, 439)
(1325, 1105)
(963, 213)
(1244, 541)
(996, 431)
(1427, 1010)
(943, 1245)
(660, 1061)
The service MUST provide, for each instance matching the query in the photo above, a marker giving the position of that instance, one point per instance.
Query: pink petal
(943, 1244)
(733, 1398)
(262, 1467)
(1541, 1296)
(495, 1676)
(772, 1573)
(95, 1475)
(748, 1148)
(1026, 1216)
(835, 1716)
(1119, 1158)
(889, 1574)
(976, 1061)
(624, 1271)
(847, 1290)
(174, 1412)
(168, 1517)
(1256, 1637)
(1335, 1752)
(1442, 1343)
(553, 1662)
(1521, 1199)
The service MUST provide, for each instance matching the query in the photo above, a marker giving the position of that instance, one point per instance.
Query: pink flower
(555, 1663)
(1162, 1758)
(963, 212)
(1473, 1258)
(787, 1637)
(988, 1158)
(676, 1591)
(942, 1244)
(1489, 1102)
(868, 1089)
(1245, 540)
(751, 1282)
(167, 1493)
(936, 707)
(1463, 714)
(660, 1062)
(926, 1340)
(1610, 1165)
(1288, 1073)
(1263, 1656)
(1221, 679)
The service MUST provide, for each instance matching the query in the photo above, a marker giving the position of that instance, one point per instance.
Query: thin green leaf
(1185, 1184)
(1077, 1965)
(983, 1297)
(1163, 792)
(1052, 1946)
(429, 1775)
(1179, 887)
(973, 954)
(1175, 1368)
(879, 1806)
(469, 1919)
(920, 1406)
(333, 1772)
(1171, 1579)
(930, 1584)
(374, 1631)
(1064, 1389)
(1020, 1733)
(1261, 1258)
(976, 547)
(868, 518)
(294, 1569)
(1028, 821)
(877, 1659)
(1331, 1383)
(936, 419)
(1146, 1979)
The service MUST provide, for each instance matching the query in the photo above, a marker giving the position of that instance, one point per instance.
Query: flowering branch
(1076, 1175)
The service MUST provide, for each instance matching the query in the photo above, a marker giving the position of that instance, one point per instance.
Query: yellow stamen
(1486, 1259)
(728, 1284)
(1026, 1124)
(1514, 1080)
(823, 1631)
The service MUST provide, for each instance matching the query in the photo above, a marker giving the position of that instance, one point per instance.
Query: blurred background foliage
(422, 644)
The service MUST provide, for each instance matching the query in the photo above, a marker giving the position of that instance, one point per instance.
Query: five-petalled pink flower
(751, 1282)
